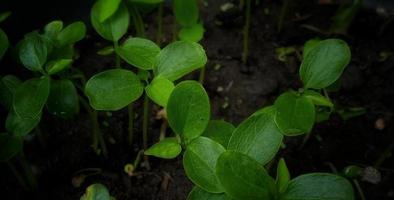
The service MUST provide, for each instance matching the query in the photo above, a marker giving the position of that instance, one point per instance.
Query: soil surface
(236, 91)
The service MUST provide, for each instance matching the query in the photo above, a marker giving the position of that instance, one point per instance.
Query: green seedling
(225, 162)
(97, 192)
(344, 17)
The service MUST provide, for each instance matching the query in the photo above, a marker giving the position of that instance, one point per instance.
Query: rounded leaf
(8, 86)
(159, 90)
(199, 194)
(219, 131)
(71, 34)
(200, 160)
(192, 34)
(324, 63)
(167, 148)
(112, 28)
(113, 89)
(320, 186)
(258, 137)
(9, 146)
(96, 192)
(139, 52)
(55, 66)
(52, 29)
(178, 59)
(244, 178)
(188, 110)
(295, 114)
(19, 126)
(30, 97)
(63, 99)
(186, 12)
(33, 52)
(106, 8)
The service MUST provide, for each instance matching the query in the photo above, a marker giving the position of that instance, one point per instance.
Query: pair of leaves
(110, 26)
(9, 146)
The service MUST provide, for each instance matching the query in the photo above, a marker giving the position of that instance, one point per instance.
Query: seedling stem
(246, 32)
(145, 124)
(117, 57)
(131, 123)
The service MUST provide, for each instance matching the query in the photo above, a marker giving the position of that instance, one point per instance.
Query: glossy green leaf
(318, 99)
(30, 97)
(139, 52)
(258, 137)
(52, 29)
(219, 131)
(186, 12)
(295, 114)
(199, 162)
(106, 8)
(115, 26)
(33, 52)
(168, 148)
(319, 186)
(113, 89)
(9, 146)
(178, 59)
(325, 63)
(271, 110)
(96, 192)
(282, 176)
(159, 90)
(309, 45)
(194, 33)
(19, 126)
(4, 15)
(199, 194)
(63, 99)
(244, 178)
(188, 110)
(8, 86)
(55, 66)
(71, 34)
(4, 43)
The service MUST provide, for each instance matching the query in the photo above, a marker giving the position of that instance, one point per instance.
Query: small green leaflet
(159, 90)
(167, 148)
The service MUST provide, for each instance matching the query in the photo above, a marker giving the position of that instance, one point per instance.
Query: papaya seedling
(228, 163)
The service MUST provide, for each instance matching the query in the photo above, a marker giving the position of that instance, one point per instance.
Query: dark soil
(236, 91)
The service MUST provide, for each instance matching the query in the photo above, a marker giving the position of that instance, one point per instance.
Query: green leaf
(199, 194)
(186, 12)
(244, 178)
(113, 89)
(282, 176)
(271, 110)
(220, 131)
(178, 59)
(199, 162)
(348, 113)
(325, 63)
(106, 51)
(168, 148)
(30, 97)
(318, 99)
(258, 137)
(309, 45)
(114, 27)
(62, 53)
(19, 126)
(8, 86)
(4, 15)
(63, 99)
(33, 52)
(319, 186)
(194, 33)
(55, 66)
(106, 8)
(71, 34)
(52, 29)
(9, 146)
(4, 43)
(96, 192)
(139, 52)
(147, 1)
(188, 110)
(295, 114)
(159, 90)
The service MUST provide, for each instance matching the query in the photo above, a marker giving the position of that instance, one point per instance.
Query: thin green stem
(385, 155)
(359, 189)
(117, 57)
(159, 24)
(145, 124)
(17, 175)
(201, 78)
(246, 32)
(130, 109)
(30, 177)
